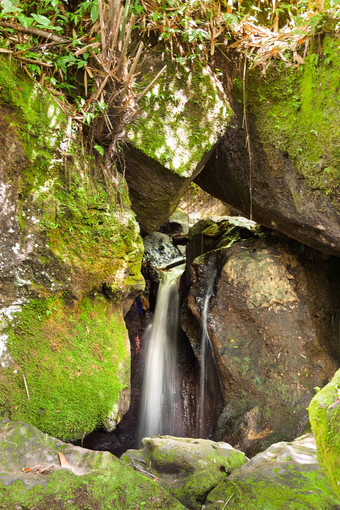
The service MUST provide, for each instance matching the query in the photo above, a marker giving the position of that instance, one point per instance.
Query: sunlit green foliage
(83, 51)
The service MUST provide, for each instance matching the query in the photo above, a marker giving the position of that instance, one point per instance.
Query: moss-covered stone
(70, 253)
(293, 165)
(324, 415)
(74, 361)
(298, 111)
(286, 475)
(42, 120)
(208, 234)
(182, 117)
(187, 468)
(80, 479)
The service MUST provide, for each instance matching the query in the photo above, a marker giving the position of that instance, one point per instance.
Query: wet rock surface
(286, 475)
(39, 472)
(159, 250)
(210, 234)
(268, 327)
(188, 468)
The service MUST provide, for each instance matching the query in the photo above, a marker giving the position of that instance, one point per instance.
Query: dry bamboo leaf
(276, 24)
(89, 72)
(336, 403)
(44, 470)
(134, 65)
(85, 83)
(142, 94)
(298, 59)
(300, 41)
(306, 48)
(102, 27)
(64, 463)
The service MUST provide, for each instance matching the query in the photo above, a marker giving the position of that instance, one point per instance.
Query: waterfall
(160, 381)
(206, 350)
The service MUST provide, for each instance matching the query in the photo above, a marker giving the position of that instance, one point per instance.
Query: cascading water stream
(160, 380)
(206, 348)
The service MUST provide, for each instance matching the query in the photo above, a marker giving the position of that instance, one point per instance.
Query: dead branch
(142, 94)
(33, 61)
(34, 31)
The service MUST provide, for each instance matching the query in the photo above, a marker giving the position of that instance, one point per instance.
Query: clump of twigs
(102, 60)
(265, 31)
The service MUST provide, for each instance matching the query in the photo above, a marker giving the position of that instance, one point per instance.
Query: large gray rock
(187, 468)
(286, 475)
(181, 118)
(39, 472)
(294, 127)
(159, 250)
(271, 334)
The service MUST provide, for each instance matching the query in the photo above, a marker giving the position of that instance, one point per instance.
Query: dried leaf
(64, 462)
(298, 59)
(45, 471)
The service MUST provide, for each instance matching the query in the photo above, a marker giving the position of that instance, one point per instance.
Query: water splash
(161, 381)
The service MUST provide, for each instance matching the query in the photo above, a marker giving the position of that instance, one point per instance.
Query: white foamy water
(161, 379)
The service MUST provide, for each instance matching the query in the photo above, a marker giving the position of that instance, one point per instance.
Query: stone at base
(286, 475)
(40, 472)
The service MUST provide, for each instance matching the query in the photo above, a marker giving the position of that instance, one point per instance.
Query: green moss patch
(41, 117)
(76, 237)
(285, 476)
(90, 231)
(74, 361)
(297, 110)
(187, 468)
(324, 415)
(92, 480)
(182, 117)
(86, 217)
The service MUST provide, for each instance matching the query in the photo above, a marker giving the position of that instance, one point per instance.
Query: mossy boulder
(39, 472)
(187, 468)
(294, 129)
(70, 255)
(286, 475)
(324, 415)
(181, 119)
(71, 367)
